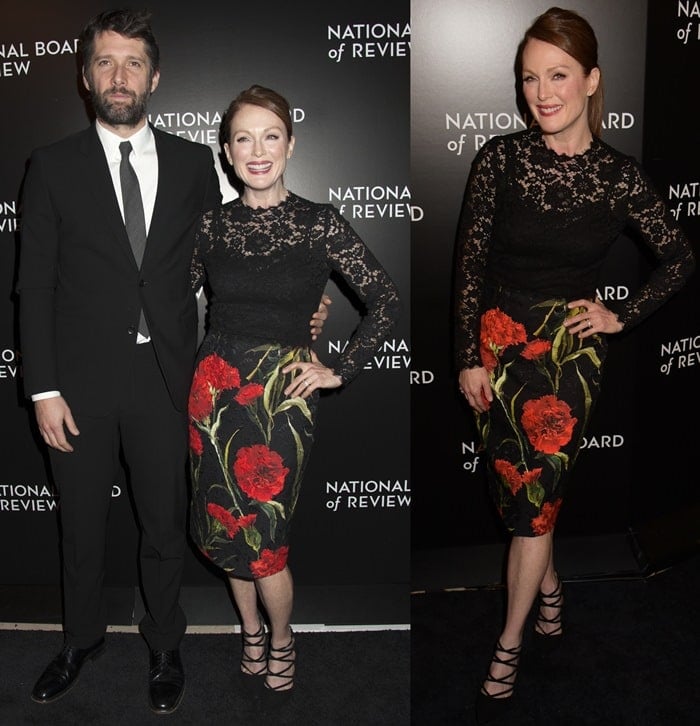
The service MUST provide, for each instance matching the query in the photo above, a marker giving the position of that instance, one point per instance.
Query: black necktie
(134, 218)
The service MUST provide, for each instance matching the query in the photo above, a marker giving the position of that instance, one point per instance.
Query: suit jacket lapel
(99, 182)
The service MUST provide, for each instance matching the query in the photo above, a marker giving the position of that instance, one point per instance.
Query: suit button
(142, 283)
(131, 330)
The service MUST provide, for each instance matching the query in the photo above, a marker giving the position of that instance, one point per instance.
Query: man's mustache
(120, 91)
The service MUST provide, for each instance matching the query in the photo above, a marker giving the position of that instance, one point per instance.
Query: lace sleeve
(473, 235)
(349, 256)
(202, 242)
(649, 216)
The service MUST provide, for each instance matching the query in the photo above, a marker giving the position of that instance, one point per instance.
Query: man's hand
(52, 414)
(320, 316)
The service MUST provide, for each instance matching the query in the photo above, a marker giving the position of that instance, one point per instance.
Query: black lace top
(539, 222)
(267, 269)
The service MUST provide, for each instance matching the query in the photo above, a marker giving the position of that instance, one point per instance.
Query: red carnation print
(513, 478)
(219, 373)
(548, 423)
(498, 331)
(230, 523)
(201, 402)
(260, 472)
(247, 521)
(501, 330)
(212, 376)
(536, 349)
(547, 518)
(509, 473)
(249, 393)
(223, 516)
(270, 562)
(196, 445)
(531, 477)
(488, 359)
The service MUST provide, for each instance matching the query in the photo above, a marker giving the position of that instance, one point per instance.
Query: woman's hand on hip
(309, 377)
(590, 318)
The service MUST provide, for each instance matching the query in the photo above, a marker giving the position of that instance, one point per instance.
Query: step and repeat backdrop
(391, 102)
(636, 471)
(345, 69)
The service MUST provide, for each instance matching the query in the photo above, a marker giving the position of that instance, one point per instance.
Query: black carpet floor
(630, 655)
(344, 678)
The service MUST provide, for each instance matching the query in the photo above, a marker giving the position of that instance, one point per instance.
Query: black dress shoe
(62, 672)
(166, 681)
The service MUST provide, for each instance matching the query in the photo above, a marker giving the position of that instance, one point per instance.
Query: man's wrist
(45, 394)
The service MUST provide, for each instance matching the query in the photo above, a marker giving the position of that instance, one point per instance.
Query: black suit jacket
(80, 289)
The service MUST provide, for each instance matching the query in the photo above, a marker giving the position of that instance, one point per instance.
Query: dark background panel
(635, 468)
(666, 510)
(351, 112)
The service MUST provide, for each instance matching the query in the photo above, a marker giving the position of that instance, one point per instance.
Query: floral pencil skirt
(249, 445)
(545, 383)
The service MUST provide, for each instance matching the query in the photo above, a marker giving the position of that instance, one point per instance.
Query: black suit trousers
(152, 435)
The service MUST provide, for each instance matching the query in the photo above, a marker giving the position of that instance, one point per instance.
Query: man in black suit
(108, 337)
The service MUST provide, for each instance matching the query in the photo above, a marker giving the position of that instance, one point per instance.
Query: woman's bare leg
(529, 558)
(245, 595)
(277, 595)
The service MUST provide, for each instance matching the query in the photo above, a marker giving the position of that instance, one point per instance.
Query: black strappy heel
(554, 599)
(287, 655)
(258, 639)
(491, 707)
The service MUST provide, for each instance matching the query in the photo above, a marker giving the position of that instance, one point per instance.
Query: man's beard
(121, 113)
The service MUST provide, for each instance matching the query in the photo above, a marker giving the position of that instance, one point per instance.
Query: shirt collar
(142, 141)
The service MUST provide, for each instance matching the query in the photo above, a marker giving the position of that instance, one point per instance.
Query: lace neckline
(274, 209)
(580, 158)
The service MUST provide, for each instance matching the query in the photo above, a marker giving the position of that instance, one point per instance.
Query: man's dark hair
(129, 23)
